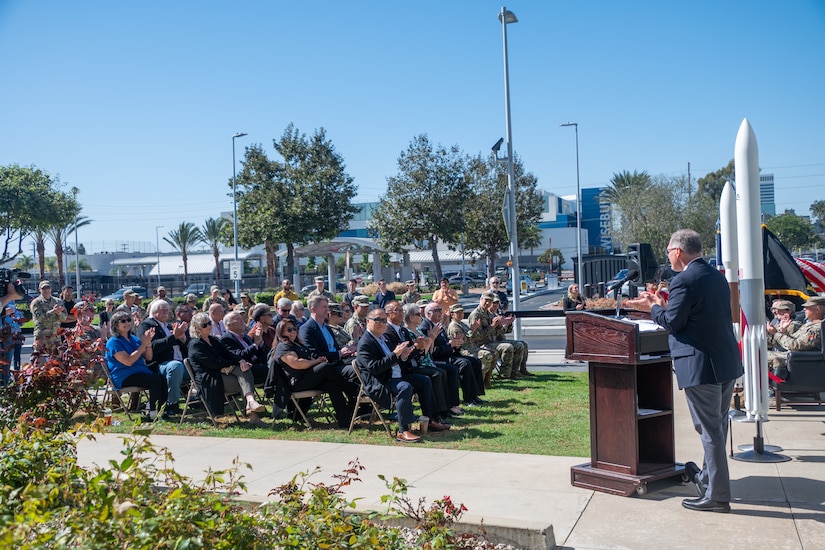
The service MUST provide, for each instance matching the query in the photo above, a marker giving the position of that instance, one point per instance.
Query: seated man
(503, 324)
(382, 374)
(262, 315)
(168, 350)
(357, 324)
(808, 337)
(483, 334)
(250, 348)
(216, 313)
(283, 308)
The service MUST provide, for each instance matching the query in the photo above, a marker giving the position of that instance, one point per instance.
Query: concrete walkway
(527, 500)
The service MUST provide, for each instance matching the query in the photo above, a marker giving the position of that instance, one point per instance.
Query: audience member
(319, 290)
(383, 296)
(352, 292)
(445, 296)
(67, 296)
(484, 334)
(573, 300)
(357, 324)
(807, 337)
(215, 298)
(467, 348)
(286, 292)
(168, 350)
(411, 296)
(47, 312)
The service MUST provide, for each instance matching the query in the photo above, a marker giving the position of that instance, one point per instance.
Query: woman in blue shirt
(126, 355)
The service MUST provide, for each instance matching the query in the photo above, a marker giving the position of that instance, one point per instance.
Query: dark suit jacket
(698, 316)
(207, 361)
(442, 350)
(253, 354)
(376, 368)
(310, 333)
(162, 345)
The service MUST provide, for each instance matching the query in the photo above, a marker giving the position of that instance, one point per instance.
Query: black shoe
(166, 417)
(694, 474)
(480, 401)
(706, 505)
(172, 409)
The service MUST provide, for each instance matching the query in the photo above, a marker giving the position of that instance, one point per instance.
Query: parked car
(117, 295)
(472, 282)
(339, 287)
(530, 284)
(198, 289)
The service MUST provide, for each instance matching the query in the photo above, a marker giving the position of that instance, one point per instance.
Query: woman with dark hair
(227, 295)
(218, 371)
(126, 356)
(306, 371)
(574, 300)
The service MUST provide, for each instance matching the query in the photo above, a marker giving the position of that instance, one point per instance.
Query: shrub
(265, 297)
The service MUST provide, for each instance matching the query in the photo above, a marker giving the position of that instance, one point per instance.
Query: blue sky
(135, 103)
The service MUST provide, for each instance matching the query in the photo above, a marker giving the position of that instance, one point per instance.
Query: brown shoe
(438, 426)
(407, 437)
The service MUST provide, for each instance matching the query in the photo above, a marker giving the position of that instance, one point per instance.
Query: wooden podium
(631, 403)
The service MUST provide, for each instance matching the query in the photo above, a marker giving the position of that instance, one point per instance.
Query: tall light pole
(235, 212)
(580, 277)
(157, 247)
(506, 17)
(75, 191)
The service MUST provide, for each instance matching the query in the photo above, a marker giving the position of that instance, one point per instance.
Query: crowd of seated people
(232, 347)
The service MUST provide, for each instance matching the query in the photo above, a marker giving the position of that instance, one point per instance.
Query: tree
(26, 204)
(419, 205)
(184, 239)
(84, 265)
(713, 183)
(24, 263)
(39, 236)
(214, 232)
(530, 237)
(304, 196)
(818, 212)
(793, 231)
(481, 210)
(60, 232)
(552, 257)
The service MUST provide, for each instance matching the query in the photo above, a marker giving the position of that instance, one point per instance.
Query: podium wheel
(641, 490)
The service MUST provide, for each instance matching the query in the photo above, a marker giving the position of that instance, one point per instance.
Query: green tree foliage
(304, 196)
(216, 231)
(818, 213)
(712, 184)
(59, 232)
(84, 265)
(794, 231)
(27, 202)
(422, 206)
(24, 263)
(183, 239)
(530, 237)
(482, 209)
(552, 257)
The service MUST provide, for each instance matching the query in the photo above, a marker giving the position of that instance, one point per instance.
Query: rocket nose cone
(745, 139)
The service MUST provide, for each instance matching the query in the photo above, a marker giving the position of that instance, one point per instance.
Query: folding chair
(318, 395)
(228, 399)
(112, 393)
(364, 398)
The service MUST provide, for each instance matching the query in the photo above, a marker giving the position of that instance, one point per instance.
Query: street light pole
(157, 247)
(75, 191)
(235, 213)
(507, 17)
(580, 275)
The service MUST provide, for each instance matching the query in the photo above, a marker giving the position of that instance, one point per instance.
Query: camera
(12, 276)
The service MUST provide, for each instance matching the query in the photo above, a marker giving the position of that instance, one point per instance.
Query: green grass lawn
(547, 414)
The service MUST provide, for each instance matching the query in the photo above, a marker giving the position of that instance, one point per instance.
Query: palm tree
(530, 237)
(39, 236)
(24, 263)
(50, 265)
(183, 239)
(213, 232)
(59, 234)
(84, 265)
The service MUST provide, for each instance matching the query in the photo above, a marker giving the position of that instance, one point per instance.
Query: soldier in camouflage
(48, 312)
(468, 348)
(484, 335)
(808, 337)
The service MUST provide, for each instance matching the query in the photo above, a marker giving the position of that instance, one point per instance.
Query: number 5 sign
(235, 270)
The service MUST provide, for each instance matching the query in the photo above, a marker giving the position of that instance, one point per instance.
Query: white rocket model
(729, 249)
(751, 273)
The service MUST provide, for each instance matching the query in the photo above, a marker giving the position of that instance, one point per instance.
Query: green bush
(265, 297)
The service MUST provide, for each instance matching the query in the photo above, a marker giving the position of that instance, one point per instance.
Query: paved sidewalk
(527, 500)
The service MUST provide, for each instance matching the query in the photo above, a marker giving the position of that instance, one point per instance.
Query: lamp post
(157, 247)
(505, 17)
(580, 277)
(235, 211)
(75, 191)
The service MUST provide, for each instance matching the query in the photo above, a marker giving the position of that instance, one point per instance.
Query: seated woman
(306, 371)
(573, 300)
(219, 371)
(125, 357)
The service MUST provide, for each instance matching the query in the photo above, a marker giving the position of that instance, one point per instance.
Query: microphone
(631, 276)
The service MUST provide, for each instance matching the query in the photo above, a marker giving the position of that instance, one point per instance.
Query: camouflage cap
(456, 307)
(815, 301)
(784, 305)
(422, 302)
(44, 284)
(489, 295)
(361, 301)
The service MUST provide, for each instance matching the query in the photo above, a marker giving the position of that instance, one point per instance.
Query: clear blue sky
(135, 102)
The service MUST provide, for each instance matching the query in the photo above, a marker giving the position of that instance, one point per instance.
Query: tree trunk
(185, 269)
(271, 264)
(491, 262)
(41, 258)
(436, 260)
(58, 252)
(216, 254)
(290, 260)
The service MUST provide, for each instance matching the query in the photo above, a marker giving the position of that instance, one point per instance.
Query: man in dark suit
(244, 346)
(315, 334)
(706, 358)
(382, 373)
(168, 350)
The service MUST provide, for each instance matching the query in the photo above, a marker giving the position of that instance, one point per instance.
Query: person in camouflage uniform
(47, 312)
(520, 349)
(336, 316)
(411, 296)
(357, 324)
(319, 290)
(468, 348)
(484, 335)
(808, 337)
(214, 298)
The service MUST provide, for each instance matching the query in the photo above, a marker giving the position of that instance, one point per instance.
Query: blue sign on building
(596, 220)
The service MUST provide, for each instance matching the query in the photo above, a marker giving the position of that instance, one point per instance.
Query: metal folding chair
(315, 395)
(228, 399)
(112, 394)
(362, 399)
